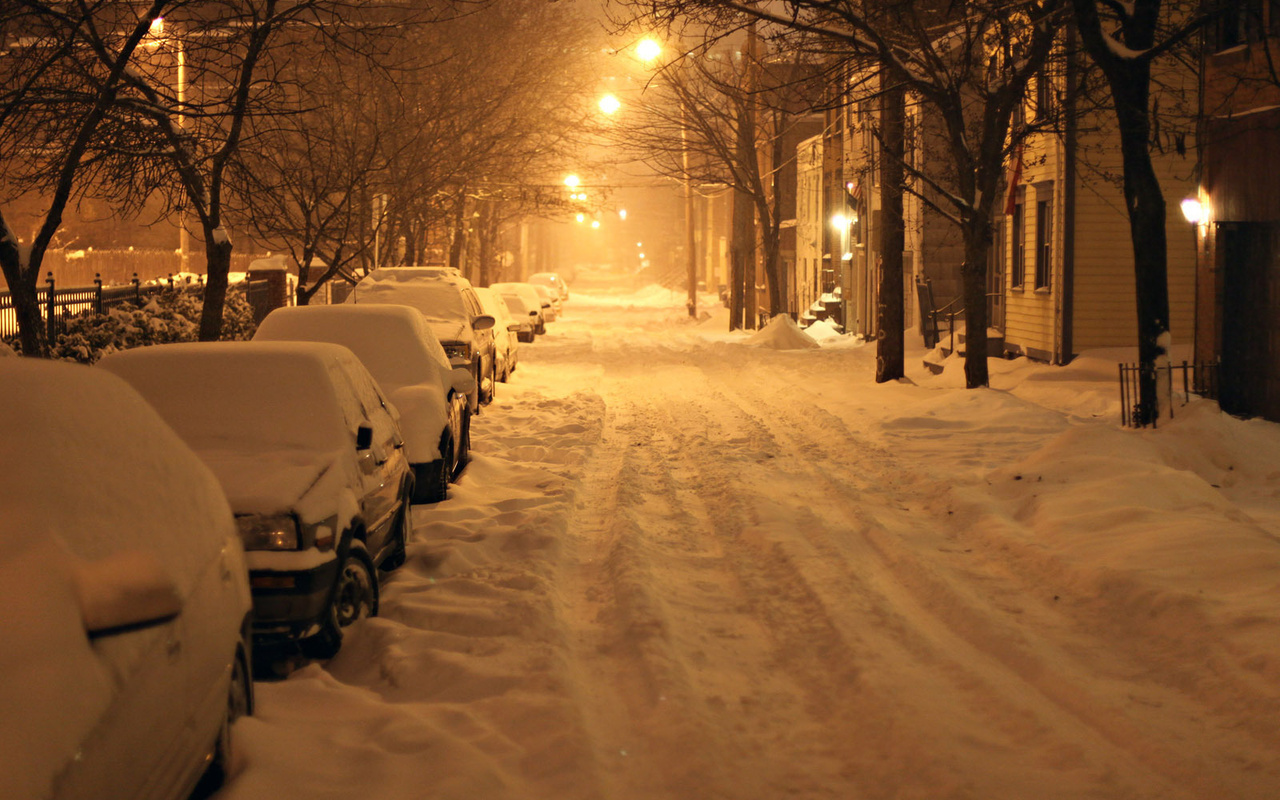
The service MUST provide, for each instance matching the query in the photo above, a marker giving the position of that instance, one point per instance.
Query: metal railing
(1196, 379)
(57, 305)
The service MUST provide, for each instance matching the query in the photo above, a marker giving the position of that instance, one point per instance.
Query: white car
(311, 457)
(399, 349)
(506, 339)
(551, 280)
(452, 310)
(531, 299)
(550, 302)
(124, 598)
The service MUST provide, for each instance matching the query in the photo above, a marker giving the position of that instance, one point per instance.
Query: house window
(1044, 236)
(1018, 243)
(1044, 95)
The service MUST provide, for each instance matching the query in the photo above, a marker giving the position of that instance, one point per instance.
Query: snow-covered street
(687, 564)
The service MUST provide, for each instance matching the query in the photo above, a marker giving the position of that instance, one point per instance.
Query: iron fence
(57, 305)
(1196, 379)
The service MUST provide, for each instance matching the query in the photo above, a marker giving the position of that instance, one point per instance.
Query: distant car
(397, 346)
(124, 598)
(531, 298)
(525, 311)
(550, 302)
(552, 280)
(506, 333)
(310, 455)
(453, 311)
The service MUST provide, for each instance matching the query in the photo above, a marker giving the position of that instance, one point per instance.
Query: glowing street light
(840, 222)
(610, 104)
(582, 217)
(595, 223)
(622, 213)
(1193, 210)
(572, 181)
(648, 49)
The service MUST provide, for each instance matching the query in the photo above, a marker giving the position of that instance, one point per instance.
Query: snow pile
(823, 332)
(782, 333)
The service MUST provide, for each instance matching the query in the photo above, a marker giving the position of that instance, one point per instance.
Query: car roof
(394, 342)
(309, 395)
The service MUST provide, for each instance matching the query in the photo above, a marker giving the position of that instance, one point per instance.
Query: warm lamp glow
(1193, 210)
(609, 104)
(581, 217)
(622, 213)
(571, 181)
(595, 223)
(839, 222)
(648, 49)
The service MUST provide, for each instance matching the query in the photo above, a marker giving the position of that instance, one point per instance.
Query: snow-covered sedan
(124, 598)
(311, 457)
(506, 331)
(402, 353)
(452, 310)
(531, 299)
(551, 280)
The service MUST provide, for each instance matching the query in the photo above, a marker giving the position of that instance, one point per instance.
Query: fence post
(51, 306)
(137, 290)
(97, 292)
(1124, 399)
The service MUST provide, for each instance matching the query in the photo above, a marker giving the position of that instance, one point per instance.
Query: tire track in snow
(964, 619)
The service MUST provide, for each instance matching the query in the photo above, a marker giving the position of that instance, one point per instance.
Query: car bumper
(290, 604)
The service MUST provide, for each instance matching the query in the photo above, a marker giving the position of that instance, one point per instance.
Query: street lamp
(648, 51)
(610, 104)
(572, 181)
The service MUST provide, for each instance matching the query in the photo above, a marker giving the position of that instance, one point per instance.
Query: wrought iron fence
(1196, 379)
(57, 305)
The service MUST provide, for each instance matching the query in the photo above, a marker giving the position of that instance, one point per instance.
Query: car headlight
(460, 350)
(276, 532)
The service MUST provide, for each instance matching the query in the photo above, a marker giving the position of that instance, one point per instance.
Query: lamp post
(648, 50)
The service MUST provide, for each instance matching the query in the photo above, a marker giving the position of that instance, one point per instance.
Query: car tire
(464, 450)
(239, 704)
(487, 397)
(355, 597)
(401, 530)
(432, 482)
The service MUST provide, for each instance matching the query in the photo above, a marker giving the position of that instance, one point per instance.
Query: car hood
(450, 330)
(274, 482)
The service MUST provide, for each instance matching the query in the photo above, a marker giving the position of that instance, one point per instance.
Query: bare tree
(55, 103)
(970, 64)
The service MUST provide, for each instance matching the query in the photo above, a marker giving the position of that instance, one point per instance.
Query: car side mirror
(482, 323)
(462, 381)
(124, 592)
(364, 438)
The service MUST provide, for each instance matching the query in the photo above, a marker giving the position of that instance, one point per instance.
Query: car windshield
(245, 400)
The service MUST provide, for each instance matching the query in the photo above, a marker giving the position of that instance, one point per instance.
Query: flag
(1011, 199)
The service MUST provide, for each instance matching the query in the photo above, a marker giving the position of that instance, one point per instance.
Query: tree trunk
(1145, 202)
(217, 250)
(890, 345)
(741, 252)
(458, 245)
(973, 275)
(22, 292)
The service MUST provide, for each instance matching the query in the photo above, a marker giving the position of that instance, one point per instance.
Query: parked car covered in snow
(402, 353)
(551, 280)
(531, 299)
(550, 302)
(452, 310)
(311, 457)
(124, 598)
(506, 332)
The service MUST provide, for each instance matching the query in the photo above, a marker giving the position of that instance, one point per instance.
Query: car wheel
(432, 484)
(239, 704)
(402, 529)
(355, 597)
(464, 448)
(486, 397)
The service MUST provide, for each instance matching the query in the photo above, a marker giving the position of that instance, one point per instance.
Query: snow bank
(782, 333)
